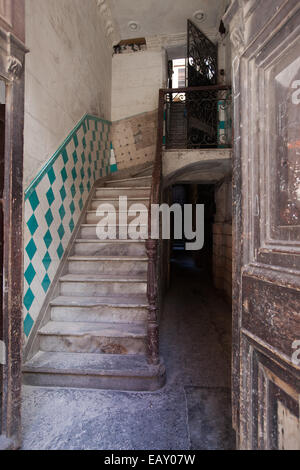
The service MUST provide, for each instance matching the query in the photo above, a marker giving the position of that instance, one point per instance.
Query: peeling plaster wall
(136, 79)
(68, 74)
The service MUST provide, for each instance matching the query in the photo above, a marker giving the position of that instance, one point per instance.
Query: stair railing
(153, 245)
(206, 117)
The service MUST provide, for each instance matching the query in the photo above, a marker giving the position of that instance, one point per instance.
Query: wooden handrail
(152, 245)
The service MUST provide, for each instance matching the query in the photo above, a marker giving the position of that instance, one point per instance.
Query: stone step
(96, 202)
(139, 181)
(171, 146)
(84, 285)
(93, 218)
(119, 308)
(88, 231)
(110, 247)
(94, 338)
(107, 265)
(130, 191)
(110, 372)
(145, 172)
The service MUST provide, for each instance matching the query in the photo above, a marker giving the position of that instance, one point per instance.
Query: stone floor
(191, 412)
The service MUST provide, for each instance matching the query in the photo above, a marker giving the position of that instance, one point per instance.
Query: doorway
(196, 329)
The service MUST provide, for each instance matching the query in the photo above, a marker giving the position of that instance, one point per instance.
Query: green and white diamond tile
(53, 205)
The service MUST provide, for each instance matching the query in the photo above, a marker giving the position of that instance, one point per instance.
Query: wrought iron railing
(198, 117)
(202, 104)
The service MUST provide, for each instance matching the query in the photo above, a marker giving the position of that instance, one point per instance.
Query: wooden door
(12, 57)
(266, 343)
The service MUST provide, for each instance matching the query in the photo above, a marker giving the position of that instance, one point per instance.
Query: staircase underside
(97, 333)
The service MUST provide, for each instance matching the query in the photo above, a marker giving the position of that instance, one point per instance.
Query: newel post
(153, 331)
(152, 245)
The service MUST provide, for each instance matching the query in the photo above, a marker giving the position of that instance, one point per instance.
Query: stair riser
(104, 288)
(108, 267)
(131, 182)
(115, 192)
(92, 344)
(110, 249)
(126, 383)
(93, 218)
(96, 203)
(99, 314)
(89, 233)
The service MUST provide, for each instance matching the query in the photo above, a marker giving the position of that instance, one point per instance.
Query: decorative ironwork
(202, 55)
(202, 106)
(198, 117)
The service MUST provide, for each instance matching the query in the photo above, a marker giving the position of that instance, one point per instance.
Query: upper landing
(200, 165)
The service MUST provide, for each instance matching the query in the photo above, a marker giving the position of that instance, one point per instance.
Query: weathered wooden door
(266, 343)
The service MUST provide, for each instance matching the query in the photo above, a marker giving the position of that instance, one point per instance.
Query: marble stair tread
(92, 224)
(116, 212)
(107, 301)
(87, 363)
(88, 241)
(110, 199)
(107, 258)
(103, 278)
(136, 178)
(124, 188)
(112, 330)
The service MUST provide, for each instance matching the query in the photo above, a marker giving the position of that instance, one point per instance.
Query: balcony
(198, 118)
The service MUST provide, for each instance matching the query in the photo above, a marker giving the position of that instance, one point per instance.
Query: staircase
(97, 334)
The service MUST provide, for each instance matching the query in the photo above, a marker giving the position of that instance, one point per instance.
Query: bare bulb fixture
(133, 26)
(199, 16)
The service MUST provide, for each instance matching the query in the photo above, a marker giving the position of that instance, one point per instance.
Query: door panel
(272, 420)
(271, 312)
(266, 370)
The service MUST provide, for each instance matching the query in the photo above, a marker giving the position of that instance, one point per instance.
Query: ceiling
(164, 17)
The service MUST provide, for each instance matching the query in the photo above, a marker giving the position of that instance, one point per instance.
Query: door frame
(12, 59)
(253, 25)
